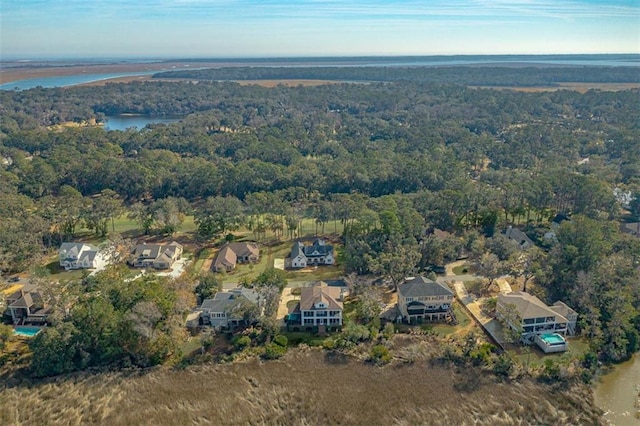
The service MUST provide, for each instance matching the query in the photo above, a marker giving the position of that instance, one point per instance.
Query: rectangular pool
(553, 339)
(26, 331)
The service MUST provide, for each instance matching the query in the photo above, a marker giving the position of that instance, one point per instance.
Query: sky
(43, 29)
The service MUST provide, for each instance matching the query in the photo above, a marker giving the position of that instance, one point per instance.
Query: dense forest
(487, 75)
(389, 160)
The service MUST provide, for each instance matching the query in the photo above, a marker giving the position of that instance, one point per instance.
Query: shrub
(242, 342)
(388, 331)
(379, 354)
(281, 340)
(503, 365)
(273, 351)
(329, 344)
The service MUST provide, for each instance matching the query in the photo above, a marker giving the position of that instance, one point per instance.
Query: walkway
(474, 306)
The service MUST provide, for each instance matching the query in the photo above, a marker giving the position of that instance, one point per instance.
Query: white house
(318, 253)
(77, 256)
(533, 317)
(321, 304)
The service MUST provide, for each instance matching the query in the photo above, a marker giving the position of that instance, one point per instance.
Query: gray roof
(529, 306)
(224, 301)
(297, 250)
(78, 250)
(518, 236)
(318, 248)
(423, 287)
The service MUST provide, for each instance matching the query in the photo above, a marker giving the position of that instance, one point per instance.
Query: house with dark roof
(632, 229)
(77, 256)
(421, 299)
(27, 306)
(230, 309)
(318, 253)
(155, 256)
(320, 305)
(232, 253)
(533, 316)
(519, 237)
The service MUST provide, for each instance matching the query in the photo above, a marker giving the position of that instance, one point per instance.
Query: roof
(245, 249)
(320, 292)
(559, 218)
(226, 257)
(529, 306)
(423, 287)
(632, 228)
(562, 308)
(440, 234)
(78, 250)
(518, 236)
(318, 248)
(297, 250)
(153, 251)
(224, 301)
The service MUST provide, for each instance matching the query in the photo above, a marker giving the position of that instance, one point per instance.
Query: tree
(99, 210)
(208, 286)
(218, 215)
(6, 334)
(396, 262)
(491, 268)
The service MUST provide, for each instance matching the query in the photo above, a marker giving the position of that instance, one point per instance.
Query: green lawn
(463, 322)
(462, 269)
(578, 346)
(281, 251)
(57, 272)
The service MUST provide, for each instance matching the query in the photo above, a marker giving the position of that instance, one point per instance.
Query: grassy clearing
(462, 270)
(578, 346)
(278, 392)
(464, 323)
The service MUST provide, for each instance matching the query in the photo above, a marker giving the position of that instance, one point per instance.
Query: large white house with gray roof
(318, 253)
(531, 316)
(421, 299)
(77, 256)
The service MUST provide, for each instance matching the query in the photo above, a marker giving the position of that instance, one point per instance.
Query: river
(138, 122)
(617, 392)
(623, 60)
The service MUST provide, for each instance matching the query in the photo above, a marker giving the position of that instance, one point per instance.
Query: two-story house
(421, 299)
(231, 309)
(529, 315)
(77, 256)
(28, 306)
(321, 305)
(155, 255)
(318, 253)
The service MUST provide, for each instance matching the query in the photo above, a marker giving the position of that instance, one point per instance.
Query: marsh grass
(306, 387)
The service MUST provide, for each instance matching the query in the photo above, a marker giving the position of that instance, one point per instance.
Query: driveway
(283, 310)
(176, 269)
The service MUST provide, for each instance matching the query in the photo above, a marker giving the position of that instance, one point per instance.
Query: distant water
(138, 122)
(617, 391)
(630, 60)
(67, 80)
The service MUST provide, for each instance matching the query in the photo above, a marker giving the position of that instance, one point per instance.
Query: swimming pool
(553, 339)
(26, 331)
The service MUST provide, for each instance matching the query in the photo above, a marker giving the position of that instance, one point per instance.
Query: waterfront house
(321, 305)
(526, 313)
(421, 299)
(230, 309)
(27, 306)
